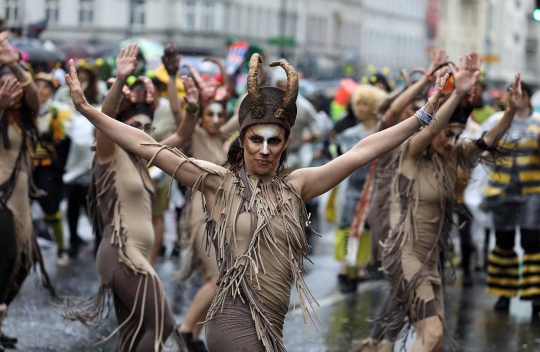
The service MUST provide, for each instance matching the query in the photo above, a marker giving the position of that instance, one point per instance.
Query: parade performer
(50, 157)
(395, 109)
(123, 190)
(364, 103)
(19, 251)
(513, 198)
(421, 215)
(255, 215)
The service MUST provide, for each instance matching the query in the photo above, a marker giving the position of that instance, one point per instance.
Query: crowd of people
(403, 169)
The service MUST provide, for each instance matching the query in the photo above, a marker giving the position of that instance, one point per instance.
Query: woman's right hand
(126, 64)
(438, 91)
(9, 92)
(75, 88)
(171, 60)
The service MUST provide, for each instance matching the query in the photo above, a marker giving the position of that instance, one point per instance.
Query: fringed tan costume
(15, 219)
(420, 218)
(260, 242)
(208, 148)
(121, 196)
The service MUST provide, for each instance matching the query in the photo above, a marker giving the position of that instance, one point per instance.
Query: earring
(240, 156)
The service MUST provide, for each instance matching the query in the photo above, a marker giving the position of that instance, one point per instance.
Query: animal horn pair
(258, 109)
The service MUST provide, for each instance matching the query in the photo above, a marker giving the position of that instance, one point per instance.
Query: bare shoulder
(297, 178)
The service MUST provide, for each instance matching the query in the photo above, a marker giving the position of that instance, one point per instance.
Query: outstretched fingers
(71, 78)
(517, 83)
(121, 54)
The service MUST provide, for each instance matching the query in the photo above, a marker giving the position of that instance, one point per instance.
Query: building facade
(502, 31)
(337, 37)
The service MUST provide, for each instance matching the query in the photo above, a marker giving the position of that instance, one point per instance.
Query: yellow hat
(161, 74)
(49, 78)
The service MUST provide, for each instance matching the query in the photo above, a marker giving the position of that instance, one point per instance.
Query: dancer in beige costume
(255, 215)
(123, 190)
(421, 214)
(19, 252)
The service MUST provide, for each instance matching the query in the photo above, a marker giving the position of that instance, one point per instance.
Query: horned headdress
(267, 105)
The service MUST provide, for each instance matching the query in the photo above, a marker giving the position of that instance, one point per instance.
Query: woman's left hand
(77, 93)
(466, 74)
(7, 55)
(515, 95)
(9, 92)
(192, 93)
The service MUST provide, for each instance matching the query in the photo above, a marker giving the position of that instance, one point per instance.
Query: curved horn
(196, 76)
(224, 75)
(257, 105)
(291, 93)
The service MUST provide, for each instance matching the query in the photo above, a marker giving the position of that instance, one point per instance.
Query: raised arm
(183, 134)
(464, 79)
(182, 137)
(391, 117)
(494, 135)
(125, 66)
(315, 181)
(132, 139)
(10, 58)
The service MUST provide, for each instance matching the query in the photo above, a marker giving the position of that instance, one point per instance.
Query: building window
(208, 17)
(227, 17)
(12, 12)
(137, 16)
(51, 11)
(86, 11)
(190, 15)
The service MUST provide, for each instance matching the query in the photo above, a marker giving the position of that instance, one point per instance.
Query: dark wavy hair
(235, 155)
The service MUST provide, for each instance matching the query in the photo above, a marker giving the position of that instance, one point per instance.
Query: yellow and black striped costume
(513, 197)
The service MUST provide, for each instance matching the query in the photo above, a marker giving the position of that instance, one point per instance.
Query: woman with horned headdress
(255, 216)
(121, 197)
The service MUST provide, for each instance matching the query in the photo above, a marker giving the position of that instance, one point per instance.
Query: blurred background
(324, 39)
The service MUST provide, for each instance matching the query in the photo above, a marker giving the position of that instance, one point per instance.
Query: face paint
(266, 131)
(215, 109)
(457, 133)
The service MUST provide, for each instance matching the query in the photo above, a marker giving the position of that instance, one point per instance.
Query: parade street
(471, 319)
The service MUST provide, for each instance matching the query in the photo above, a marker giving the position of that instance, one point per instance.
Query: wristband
(195, 113)
(27, 82)
(424, 118)
(429, 77)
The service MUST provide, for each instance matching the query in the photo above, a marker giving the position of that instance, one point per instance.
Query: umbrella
(107, 50)
(151, 50)
(35, 51)
(76, 50)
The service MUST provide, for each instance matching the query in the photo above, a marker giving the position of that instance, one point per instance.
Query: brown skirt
(232, 329)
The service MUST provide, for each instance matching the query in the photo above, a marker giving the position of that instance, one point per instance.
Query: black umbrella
(35, 53)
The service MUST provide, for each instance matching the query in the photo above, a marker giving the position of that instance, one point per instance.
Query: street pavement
(35, 320)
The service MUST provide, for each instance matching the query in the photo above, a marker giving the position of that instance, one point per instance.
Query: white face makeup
(216, 109)
(266, 131)
(457, 133)
(141, 122)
